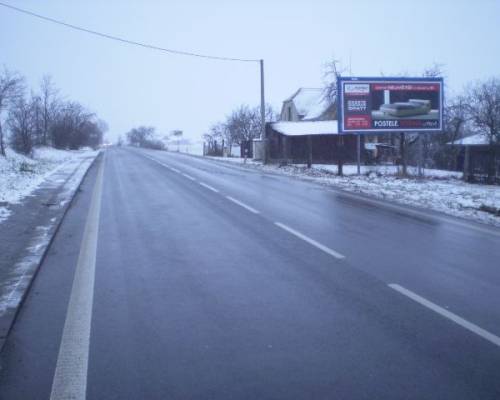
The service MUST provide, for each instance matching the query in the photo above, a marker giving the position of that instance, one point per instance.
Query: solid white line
(189, 177)
(209, 187)
(310, 241)
(70, 377)
(251, 209)
(447, 314)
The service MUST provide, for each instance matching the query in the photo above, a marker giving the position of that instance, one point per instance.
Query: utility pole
(263, 113)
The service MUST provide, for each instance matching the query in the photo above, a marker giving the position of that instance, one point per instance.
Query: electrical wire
(123, 40)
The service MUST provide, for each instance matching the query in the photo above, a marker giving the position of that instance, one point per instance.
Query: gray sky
(129, 86)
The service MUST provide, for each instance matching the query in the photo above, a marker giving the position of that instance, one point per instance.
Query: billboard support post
(420, 167)
(402, 152)
(358, 151)
(466, 163)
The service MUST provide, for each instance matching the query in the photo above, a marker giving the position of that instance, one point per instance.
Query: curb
(10, 316)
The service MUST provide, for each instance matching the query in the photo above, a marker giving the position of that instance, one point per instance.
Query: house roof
(309, 102)
(304, 128)
(475, 140)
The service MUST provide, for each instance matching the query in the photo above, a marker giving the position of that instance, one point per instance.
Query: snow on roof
(304, 128)
(475, 140)
(309, 102)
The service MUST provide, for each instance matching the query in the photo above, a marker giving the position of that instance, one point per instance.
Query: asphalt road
(173, 277)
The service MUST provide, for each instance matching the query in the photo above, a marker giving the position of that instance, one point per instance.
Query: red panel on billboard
(358, 122)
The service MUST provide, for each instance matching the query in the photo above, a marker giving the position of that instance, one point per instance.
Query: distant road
(176, 277)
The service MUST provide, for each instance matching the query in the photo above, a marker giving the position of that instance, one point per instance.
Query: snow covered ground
(440, 190)
(21, 175)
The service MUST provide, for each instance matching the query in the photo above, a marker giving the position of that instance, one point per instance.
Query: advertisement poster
(390, 104)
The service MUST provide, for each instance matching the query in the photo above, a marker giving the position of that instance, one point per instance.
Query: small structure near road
(310, 142)
(477, 157)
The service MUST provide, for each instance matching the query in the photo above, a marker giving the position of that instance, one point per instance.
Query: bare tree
(435, 70)
(21, 123)
(245, 123)
(484, 109)
(144, 136)
(74, 126)
(49, 103)
(332, 71)
(11, 89)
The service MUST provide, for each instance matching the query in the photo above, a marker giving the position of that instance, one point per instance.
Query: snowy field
(196, 148)
(21, 175)
(440, 190)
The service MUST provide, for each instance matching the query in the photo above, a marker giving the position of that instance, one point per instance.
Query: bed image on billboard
(390, 104)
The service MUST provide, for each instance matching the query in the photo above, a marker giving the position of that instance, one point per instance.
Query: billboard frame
(401, 80)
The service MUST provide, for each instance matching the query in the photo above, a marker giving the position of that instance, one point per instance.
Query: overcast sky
(129, 86)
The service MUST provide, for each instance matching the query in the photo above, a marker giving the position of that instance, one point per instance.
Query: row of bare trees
(144, 136)
(243, 124)
(43, 118)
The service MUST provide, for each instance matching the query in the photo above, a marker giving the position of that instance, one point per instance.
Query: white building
(308, 104)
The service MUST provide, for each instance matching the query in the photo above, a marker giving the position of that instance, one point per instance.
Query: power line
(123, 40)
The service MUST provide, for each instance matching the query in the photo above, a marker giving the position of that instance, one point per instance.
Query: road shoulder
(28, 233)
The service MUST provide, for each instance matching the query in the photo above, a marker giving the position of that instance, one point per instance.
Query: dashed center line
(447, 314)
(188, 176)
(208, 187)
(175, 170)
(313, 242)
(241, 204)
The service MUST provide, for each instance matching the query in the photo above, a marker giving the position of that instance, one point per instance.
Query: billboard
(390, 104)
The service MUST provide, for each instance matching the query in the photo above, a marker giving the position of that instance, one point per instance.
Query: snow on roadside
(21, 175)
(440, 190)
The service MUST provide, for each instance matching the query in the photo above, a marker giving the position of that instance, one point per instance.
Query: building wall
(289, 112)
(326, 149)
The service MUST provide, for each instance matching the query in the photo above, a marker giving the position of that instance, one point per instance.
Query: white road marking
(70, 377)
(447, 314)
(158, 162)
(241, 204)
(208, 187)
(188, 176)
(310, 241)
(167, 166)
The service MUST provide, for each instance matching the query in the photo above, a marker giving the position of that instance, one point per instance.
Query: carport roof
(474, 140)
(305, 128)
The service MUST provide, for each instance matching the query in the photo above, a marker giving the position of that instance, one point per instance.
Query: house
(310, 142)
(308, 104)
(478, 158)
